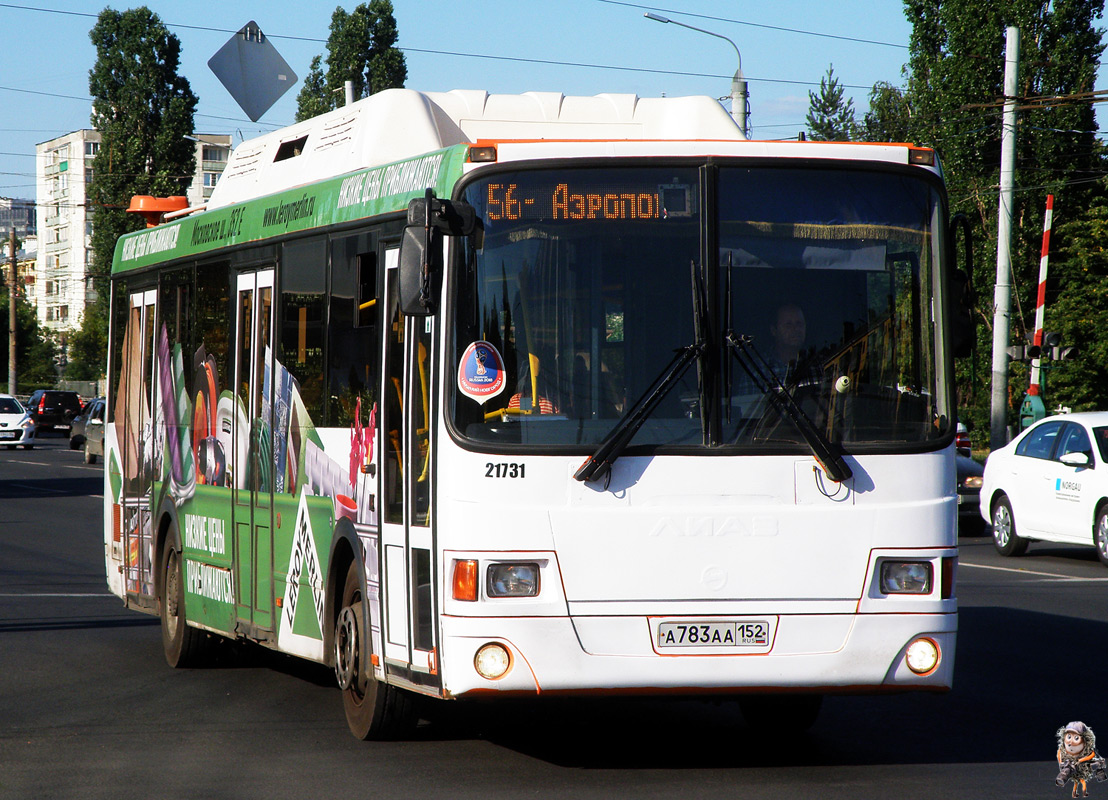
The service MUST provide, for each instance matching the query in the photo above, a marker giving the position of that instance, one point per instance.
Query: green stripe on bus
(366, 193)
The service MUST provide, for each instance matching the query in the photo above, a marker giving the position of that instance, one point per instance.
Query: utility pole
(1002, 295)
(11, 313)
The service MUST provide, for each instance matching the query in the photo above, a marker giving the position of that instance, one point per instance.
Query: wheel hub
(346, 648)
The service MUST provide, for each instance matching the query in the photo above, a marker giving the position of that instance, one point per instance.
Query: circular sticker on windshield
(481, 373)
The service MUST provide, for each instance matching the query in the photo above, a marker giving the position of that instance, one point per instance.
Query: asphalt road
(89, 709)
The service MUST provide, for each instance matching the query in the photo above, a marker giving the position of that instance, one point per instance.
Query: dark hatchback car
(969, 494)
(54, 408)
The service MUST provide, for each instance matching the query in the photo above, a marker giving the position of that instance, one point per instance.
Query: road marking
(40, 489)
(1021, 571)
(56, 594)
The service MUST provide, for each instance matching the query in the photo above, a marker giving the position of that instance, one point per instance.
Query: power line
(755, 24)
(515, 59)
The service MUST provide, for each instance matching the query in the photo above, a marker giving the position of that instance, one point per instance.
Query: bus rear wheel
(184, 645)
(374, 710)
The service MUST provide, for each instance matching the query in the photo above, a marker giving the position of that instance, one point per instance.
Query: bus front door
(254, 481)
(409, 574)
(136, 425)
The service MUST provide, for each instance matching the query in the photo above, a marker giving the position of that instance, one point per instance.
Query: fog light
(922, 656)
(906, 577)
(512, 580)
(492, 661)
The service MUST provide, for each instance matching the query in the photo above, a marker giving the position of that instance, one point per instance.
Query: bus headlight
(492, 661)
(922, 656)
(512, 580)
(906, 577)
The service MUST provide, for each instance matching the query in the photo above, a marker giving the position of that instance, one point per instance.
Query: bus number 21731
(504, 470)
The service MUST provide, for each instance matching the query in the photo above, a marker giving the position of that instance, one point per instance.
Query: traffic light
(1017, 352)
(1064, 353)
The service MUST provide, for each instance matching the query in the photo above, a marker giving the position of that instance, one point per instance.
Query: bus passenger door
(253, 479)
(409, 578)
(136, 427)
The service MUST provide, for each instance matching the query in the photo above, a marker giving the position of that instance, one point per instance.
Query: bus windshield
(583, 284)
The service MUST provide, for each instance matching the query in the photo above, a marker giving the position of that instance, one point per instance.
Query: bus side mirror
(429, 219)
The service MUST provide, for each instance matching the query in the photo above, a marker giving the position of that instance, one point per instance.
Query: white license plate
(739, 634)
(9, 435)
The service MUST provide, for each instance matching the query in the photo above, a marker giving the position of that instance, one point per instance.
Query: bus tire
(1005, 538)
(793, 712)
(374, 710)
(184, 645)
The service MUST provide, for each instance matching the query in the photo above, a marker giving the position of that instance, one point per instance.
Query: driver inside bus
(787, 361)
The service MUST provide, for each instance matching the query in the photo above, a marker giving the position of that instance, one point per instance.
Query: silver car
(88, 430)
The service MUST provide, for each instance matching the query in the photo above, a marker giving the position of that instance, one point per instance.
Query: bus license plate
(747, 633)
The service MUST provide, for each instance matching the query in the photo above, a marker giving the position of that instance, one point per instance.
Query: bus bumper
(829, 653)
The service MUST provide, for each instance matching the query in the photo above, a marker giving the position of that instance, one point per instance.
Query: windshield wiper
(599, 463)
(827, 455)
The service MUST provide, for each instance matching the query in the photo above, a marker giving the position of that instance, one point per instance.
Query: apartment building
(61, 288)
(17, 214)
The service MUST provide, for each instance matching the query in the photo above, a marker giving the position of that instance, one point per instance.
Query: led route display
(567, 201)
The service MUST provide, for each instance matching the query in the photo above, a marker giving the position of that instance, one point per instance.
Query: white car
(1050, 484)
(16, 425)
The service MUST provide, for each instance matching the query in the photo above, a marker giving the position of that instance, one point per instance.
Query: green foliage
(830, 117)
(889, 118)
(1077, 307)
(143, 110)
(360, 49)
(955, 89)
(88, 347)
(34, 351)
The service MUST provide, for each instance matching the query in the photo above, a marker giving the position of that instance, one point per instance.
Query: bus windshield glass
(583, 284)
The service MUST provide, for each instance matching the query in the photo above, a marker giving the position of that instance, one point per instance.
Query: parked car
(87, 430)
(1050, 484)
(969, 492)
(16, 426)
(54, 408)
(962, 440)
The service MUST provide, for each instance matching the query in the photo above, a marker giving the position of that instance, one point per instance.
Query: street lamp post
(739, 94)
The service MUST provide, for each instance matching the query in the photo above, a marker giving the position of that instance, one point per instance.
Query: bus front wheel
(374, 710)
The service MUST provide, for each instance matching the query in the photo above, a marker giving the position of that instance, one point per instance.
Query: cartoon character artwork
(1077, 758)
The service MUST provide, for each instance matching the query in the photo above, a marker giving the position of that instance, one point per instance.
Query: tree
(144, 111)
(889, 118)
(1077, 308)
(34, 352)
(955, 89)
(88, 347)
(830, 117)
(360, 49)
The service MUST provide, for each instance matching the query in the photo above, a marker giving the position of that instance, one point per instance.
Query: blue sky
(572, 46)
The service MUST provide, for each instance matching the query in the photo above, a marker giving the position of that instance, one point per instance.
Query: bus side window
(303, 287)
(352, 347)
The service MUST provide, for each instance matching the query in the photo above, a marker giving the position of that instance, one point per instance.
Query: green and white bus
(473, 395)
